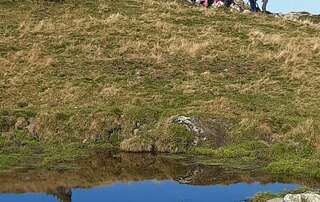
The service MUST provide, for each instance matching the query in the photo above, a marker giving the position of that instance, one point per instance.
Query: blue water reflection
(155, 191)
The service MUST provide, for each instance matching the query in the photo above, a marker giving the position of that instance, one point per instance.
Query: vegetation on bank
(23, 152)
(78, 74)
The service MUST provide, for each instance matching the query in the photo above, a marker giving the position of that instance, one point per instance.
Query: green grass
(102, 71)
(23, 151)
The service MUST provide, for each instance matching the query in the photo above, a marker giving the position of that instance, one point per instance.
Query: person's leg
(264, 5)
(210, 2)
(206, 3)
(253, 5)
(227, 3)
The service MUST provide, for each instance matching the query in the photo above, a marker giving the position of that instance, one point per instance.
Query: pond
(137, 178)
(155, 191)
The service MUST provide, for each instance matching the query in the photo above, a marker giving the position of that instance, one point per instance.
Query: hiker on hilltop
(255, 8)
(264, 5)
(253, 5)
(228, 3)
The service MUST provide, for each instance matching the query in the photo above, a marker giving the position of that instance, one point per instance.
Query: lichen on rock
(302, 197)
(207, 132)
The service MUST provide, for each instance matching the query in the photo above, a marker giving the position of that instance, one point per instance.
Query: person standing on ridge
(264, 5)
(253, 5)
(228, 3)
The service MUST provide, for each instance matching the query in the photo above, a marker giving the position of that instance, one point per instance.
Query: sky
(285, 6)
(155, 191)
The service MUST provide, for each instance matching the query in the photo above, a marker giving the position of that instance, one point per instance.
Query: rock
(293, 198)
(190, 123)
(303, 197)
(21, 123)
(190, 176)
(33, 128)
(312, 197)
(210, 132)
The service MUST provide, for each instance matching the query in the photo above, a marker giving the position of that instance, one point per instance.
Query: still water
(154, 191)
(137, 178)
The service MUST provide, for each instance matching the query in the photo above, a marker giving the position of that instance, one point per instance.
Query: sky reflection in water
(153, 191)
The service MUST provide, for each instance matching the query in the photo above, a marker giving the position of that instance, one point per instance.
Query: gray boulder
(303, 197)
(207, 132)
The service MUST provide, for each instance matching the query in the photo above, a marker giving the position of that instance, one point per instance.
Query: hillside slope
(119, 72)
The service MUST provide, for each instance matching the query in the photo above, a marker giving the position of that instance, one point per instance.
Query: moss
(49, 156)
(233, 152)
(247, 155)
(180, 137)
(263, 197)
(21, 138)
(285, 150)
(8, 161)
(278, 159)
(203, 151)
(295, 167)
(115, 139)
(252, 149)
(2, 141)
(53, 155)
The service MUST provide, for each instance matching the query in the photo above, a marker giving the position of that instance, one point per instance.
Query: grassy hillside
(87, 73)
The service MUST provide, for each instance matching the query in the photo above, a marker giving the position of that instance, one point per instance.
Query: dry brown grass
(295, 53)
(136, 144)
(165, 55)
(189, 48)
(305, 132)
